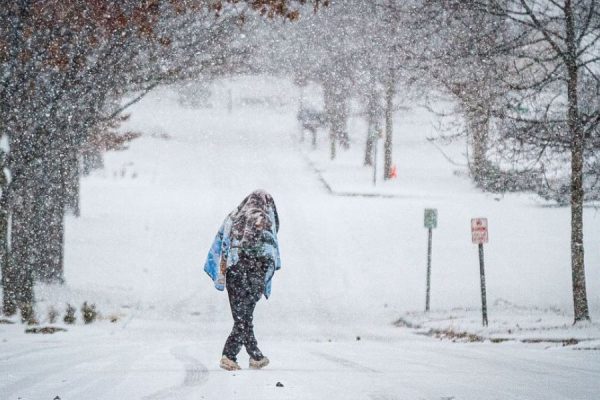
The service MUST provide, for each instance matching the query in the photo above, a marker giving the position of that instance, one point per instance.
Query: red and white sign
(479, 230)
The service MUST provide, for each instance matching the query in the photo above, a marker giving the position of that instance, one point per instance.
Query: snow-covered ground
(351, 267)
(551, 327)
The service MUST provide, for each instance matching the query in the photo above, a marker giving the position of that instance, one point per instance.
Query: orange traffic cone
(393, 172)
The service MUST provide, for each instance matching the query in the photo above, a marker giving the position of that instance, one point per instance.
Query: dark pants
(245, 282)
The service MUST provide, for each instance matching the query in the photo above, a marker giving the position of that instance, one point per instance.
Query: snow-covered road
(179, 362)
(147, 221)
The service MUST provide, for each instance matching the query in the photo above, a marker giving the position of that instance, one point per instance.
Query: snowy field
(352, 266)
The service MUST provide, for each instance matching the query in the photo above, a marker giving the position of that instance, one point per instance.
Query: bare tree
(548, 113)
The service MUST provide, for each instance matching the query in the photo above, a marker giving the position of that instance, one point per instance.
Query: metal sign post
(375, 134)
(479, 236)
(430, 222)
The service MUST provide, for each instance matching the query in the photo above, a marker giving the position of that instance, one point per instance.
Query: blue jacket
(223, 245)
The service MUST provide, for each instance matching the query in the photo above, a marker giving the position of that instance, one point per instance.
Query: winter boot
(258, 364)
(229, 364)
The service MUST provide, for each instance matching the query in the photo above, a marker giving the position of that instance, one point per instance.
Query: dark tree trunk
(389, 112)
(373, 116)
(577, 192)
(71, 183)
(478, 122)
(343, 126)
(331, 118)
(50, 211)
(23, 235)
(50, 263)
(370, 145)
(332, 144)
(338, 130)
(9, 301)
(26, 165)
(336, 107)
(577, 253)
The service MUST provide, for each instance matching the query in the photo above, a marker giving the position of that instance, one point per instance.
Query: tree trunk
(49, 219)
(577, 157)
(71, 183)
(26, 166)
(336, 107)
(330, 111)
(373, 124)
(22, 258)
(370, 145)
(343, 125)
(389, 112)
(332, 144)
(9, 301)
(53, 259)
(478, 122)
(577, 253)
(50, 263)
(339, 119)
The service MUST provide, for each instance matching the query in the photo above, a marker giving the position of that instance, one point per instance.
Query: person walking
(243, 259)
